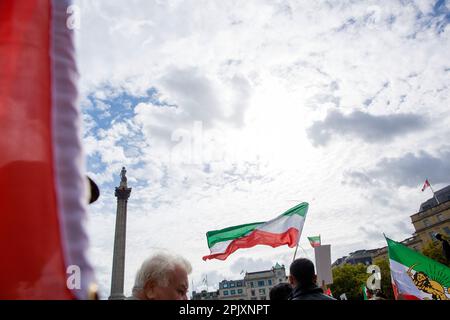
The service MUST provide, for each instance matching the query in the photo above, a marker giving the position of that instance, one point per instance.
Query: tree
(386, 285)
(348, 279)
(433, 250)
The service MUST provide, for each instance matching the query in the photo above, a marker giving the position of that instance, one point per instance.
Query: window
(439, 217)
(269, 282)
(447, 230)
(232, 285)
(233, 292)
(251, 284)
(431, 233)
(225, 285)
(253, 293)
(263, 298)
(239, 284)
(225, 293)
(261, 283)
(426, 223)
(262, 291)
(239, 291)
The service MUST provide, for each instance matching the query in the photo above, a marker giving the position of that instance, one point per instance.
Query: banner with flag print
(43, 240)
(415, 276)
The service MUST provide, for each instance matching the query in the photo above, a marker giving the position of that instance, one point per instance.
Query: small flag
(284, 229)
(314, 241)
(415, 276)
(365, 292)
(328, 292)
(425, 185)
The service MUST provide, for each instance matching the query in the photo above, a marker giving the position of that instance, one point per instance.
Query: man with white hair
(163, 276)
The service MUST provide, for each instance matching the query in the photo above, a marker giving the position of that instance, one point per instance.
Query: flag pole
(295, 253)
(434, 193)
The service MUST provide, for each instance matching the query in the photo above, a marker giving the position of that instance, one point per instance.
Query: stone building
(432, 218)
(254, 286)
(232, 290)
(258, 284)
(205, 295)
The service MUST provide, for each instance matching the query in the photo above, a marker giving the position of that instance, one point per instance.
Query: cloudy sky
(230, 112)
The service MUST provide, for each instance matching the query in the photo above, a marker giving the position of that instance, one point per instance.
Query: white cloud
(254, 75)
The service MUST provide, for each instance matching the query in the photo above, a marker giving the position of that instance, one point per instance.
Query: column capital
(122, 193)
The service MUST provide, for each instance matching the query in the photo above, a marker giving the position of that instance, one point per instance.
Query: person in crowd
(163, 276)
(377, 295)
(303, 279)
(445, 246)
(281, 291)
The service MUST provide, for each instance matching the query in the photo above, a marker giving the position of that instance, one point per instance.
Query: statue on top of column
(123, 178)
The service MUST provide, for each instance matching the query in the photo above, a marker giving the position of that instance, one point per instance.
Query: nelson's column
(122, 194)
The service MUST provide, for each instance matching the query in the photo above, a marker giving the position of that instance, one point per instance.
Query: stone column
(118, 270)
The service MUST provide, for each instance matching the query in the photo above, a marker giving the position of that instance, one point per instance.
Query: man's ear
(315, 279)
(291, 280)
(149, 290)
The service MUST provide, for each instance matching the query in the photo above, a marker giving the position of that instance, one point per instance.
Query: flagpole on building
(432, 190)
(434, 193)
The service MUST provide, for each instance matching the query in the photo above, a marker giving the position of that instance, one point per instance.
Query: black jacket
(310, 293)
(446, 249)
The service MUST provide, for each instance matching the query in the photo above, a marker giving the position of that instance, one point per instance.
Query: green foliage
(348, 279)
(433, 250)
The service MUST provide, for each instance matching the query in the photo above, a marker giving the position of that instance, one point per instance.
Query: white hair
(157, 268)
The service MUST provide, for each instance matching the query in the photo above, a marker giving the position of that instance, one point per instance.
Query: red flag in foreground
(42, 206)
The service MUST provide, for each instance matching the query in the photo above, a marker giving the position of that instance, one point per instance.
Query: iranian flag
(314, 241)
(415, 276)
(284, 229)
(43, 240)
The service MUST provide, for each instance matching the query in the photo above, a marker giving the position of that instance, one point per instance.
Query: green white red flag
(284, 229)
(365, 292)
(415, 276)
(314, 241)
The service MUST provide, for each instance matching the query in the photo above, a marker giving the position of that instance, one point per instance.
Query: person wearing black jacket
(445, 247)
(303, 279)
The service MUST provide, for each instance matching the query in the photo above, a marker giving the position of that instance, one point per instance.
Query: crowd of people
(165, 277)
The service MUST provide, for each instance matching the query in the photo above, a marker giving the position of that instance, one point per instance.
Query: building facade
(254, 286)
(360, 256)
(232, 290)
(258, 284)
(433, 217)
(205, 295)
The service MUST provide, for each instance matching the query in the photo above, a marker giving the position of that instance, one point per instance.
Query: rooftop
(442, 195)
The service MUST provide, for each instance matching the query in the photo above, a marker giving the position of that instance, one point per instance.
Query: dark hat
(94, 192)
